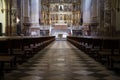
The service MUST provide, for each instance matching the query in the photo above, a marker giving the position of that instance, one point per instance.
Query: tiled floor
(61, 61)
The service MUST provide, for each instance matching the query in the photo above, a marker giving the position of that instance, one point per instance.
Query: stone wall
(101, 17)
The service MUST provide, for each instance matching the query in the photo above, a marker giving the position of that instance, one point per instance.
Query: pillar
(35, 28)
(26, 11)
(13, 18)
(26, 17)
(107, 18)
(94, 18)
(94, 6)
(113, 17)
(35, 12)
(101, 17)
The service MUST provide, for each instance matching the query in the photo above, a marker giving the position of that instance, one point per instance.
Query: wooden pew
(5, 56)
(106, 49)
(17, 48)
(14, 48)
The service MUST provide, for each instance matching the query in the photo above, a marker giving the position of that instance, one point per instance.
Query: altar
(60, 26)
(60, 30)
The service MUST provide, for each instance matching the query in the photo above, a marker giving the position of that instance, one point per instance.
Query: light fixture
(17, 20)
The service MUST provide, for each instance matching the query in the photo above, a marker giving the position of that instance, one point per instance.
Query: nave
(61, 61)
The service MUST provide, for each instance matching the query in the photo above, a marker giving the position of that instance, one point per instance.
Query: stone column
(26, 10)
(35, 12)
(94, 18)
(113, 17)
(94, 11)
(40, 7)
(101, 17)
(26, 15)
(40, 15)
(107, 18)
(86, 11)
(35, 28)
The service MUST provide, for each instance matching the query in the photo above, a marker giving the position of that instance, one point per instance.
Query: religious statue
(61, 7)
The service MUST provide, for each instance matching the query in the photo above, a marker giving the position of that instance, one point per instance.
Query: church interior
(59, 39)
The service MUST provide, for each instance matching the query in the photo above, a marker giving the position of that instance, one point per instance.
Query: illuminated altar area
(60, 30)
(61, 15)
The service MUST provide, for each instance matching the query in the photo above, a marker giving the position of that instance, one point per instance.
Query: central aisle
(61, 61)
